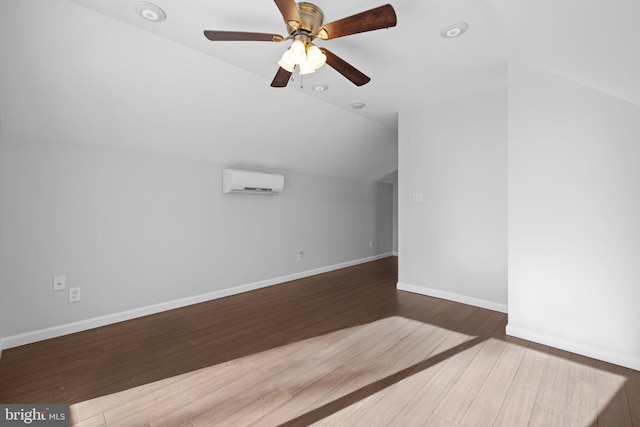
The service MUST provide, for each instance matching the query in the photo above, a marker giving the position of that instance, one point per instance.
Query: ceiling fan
(304, 24)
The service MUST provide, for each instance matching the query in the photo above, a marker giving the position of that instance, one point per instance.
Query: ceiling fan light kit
(308, 56)
(304, 23)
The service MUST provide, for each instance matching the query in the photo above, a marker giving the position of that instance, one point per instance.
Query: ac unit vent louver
(241, 181)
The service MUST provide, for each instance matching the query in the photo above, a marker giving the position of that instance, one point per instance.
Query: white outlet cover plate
(74, 294)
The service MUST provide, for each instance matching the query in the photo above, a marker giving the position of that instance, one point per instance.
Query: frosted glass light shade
(306, 67)
(286, 62)
(298, 52)
(316, 57)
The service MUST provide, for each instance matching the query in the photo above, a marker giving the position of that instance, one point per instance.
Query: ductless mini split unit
(241, 181)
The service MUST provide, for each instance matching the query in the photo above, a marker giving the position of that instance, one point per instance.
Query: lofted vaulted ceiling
(94, 72)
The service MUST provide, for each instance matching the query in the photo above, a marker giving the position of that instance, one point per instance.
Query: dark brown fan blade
(346, 69)
(241, 36)
(289, 12)
(282, 78)
(374, 19)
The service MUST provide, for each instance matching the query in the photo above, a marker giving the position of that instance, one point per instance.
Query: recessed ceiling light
(358, 105)
(320, 87)
(150, 11)
(454, 30)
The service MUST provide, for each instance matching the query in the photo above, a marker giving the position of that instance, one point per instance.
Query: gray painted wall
(453, 244)
(133, 230)
(574, 216)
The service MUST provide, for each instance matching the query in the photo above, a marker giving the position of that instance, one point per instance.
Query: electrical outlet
(370, 243)
(417, 197)
(59, 283)
(300, 255)
(74, 294)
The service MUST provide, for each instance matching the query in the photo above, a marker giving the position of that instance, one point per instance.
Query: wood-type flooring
(344, 348)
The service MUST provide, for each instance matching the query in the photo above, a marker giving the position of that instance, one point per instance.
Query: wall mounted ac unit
(239, 181)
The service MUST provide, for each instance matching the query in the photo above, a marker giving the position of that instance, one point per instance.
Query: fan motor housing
(311, 16)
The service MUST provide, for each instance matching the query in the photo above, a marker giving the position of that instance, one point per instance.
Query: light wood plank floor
(342, 348)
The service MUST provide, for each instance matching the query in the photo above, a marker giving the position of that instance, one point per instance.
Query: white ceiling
(93, 72)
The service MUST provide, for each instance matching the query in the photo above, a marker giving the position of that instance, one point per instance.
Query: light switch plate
(59, 283)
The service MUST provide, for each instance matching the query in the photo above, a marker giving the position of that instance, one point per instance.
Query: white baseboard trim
(476, 302)
(83, 325)
(394, 253)
(628, 361)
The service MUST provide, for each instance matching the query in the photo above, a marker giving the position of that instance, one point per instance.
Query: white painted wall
(134, 230)
(395, 217)
(2, 298)
(454, 243)
(574, 216)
